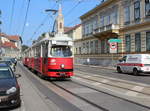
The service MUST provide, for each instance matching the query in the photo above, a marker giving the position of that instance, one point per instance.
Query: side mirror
(17, 75)
(120, 60)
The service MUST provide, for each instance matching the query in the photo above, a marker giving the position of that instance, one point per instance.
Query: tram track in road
(81, 91)
(96, 90)
(127, 85)
(82, 98)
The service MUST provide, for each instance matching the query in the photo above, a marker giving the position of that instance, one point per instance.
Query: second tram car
(51, 57)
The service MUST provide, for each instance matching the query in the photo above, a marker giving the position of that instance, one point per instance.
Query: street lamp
(51, 10)
(54, 12)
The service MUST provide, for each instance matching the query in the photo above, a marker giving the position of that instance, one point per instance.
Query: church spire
(60, 21)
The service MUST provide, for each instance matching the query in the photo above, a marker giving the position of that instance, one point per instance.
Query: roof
(8, 44)
(2, 34)
(67, 28)
(97, 8)
(73, 28)
(14, 37)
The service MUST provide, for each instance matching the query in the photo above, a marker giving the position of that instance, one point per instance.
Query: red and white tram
(51, 57)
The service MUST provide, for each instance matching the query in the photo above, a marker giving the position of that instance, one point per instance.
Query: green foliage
(24, 47)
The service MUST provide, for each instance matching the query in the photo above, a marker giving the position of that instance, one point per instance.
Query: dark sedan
(9, 88)
(12, 65)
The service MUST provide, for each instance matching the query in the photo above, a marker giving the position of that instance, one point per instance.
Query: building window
(60, 25)
(76, 52)
(96, 46)
(87, 47)
(114, 17)
(83, 30)
(127, 15)
(107, 18)
(91, 27)
(147, 7)
(102, 21)
(147, 41)
(95, 22)
(137, 10)
(128, 43)
(103, 46)
(138, 42)
(91, 47)
(79, 50)
(107, 46)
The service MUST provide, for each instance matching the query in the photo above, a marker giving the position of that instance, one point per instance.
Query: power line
(12, 13)
(69, 12)
(20, 15)
(25, 18)
(72, 22)
(42, 23)
(37, 29)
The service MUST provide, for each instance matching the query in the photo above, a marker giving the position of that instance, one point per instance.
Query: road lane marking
(105, 81)
(131, 93)
(23, 106)
(87, 76)
(138, 88)
(96, 83)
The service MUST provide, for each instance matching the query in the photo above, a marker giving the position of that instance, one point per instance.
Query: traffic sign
(114, 40)
(113, 47)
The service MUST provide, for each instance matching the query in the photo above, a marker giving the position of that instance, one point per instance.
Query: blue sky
(37, 14)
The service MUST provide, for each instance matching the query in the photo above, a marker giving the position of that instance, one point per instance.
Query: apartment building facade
(10, 46)
(128, 20)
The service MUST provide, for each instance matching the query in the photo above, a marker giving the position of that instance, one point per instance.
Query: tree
(24, 47)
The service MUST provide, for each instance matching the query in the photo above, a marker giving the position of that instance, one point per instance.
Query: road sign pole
(112, 59)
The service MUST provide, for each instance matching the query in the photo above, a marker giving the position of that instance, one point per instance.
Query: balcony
(112, 28)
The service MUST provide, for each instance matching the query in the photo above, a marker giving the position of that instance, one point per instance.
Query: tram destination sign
(114, 40)
(62, 42)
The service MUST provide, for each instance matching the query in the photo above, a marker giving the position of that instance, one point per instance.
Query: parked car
(14, 60)
(134, 63)
(12, 65)
(9, 88)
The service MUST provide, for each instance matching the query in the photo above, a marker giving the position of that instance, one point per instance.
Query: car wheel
(119, 70)
(135, 72)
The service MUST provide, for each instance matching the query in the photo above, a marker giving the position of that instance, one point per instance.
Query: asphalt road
(143, 78)
(70, 95)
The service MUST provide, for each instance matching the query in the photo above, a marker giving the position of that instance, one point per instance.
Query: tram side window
(37, 54)
(45, 50)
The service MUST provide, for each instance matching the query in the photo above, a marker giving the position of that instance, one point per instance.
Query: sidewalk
(104, 67)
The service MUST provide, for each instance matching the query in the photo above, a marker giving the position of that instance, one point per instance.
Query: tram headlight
(53, 42)
(62, 66)
(70, 43)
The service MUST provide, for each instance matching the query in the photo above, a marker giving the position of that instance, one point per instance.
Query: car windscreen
(7, 62)
(5, 73)
(61, 51)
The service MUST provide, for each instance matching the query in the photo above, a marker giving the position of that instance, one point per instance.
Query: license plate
(3, 99)
(62, 74)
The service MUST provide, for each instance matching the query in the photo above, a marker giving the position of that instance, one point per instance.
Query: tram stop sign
(113, 47)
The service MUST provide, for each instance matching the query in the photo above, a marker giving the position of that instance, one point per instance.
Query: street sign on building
(114, 40)
(113, 47)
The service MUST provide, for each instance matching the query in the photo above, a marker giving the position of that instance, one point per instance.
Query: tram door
(44, 57)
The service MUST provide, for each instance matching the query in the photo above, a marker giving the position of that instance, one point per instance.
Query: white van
(134, 63)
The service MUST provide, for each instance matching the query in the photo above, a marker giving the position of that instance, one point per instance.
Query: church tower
(60, 21)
